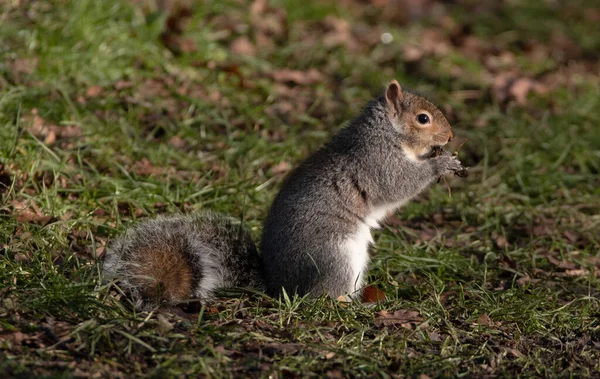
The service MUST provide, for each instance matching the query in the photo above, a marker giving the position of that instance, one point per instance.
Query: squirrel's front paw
(445, 164)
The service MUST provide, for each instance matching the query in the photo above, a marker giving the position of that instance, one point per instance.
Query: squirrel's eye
(423, 118)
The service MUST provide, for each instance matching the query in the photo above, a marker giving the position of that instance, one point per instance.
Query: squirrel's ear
(393, 96)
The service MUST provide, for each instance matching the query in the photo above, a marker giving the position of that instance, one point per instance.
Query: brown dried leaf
(50, 137)
(507, 86)
(296, 76)
(412, 53)
(93, 91)
(502, 242)
(372, 294)
(402, 317)
(339, 34)
(243, 46)
(520, 89)
(402, 11)
(516, 353)
(435, 41)
(25, 212)
(571, 236)
(145, 167)
(523, 281)
(49, 132)
(484, 319)
(579, 273)
(153, 88)
(335, 374)
(14, 337)
(270, 24)
(24, 65)
(178, 142)
(561, 264)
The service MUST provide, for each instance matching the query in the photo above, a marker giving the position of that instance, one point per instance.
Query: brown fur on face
(163, 273)
(404, 107)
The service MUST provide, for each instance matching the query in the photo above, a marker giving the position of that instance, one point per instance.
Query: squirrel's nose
(452, 135)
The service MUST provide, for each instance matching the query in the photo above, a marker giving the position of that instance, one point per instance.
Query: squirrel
(317, 233)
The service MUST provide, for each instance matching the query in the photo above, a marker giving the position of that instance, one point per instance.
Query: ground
(112, 111)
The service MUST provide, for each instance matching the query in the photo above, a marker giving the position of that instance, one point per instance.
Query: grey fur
(326, 199)
(220, 252)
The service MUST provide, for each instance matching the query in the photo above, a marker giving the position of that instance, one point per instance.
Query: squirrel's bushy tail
(177, 258)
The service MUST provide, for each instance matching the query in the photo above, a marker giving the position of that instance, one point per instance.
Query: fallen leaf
(436, 337)
(412, 53)
(93, 91)
(50, 137)
(579, 272)
(523, 281)
(145, 167)
(403, 11)
(501, 242)
(516, 353)
(572, 237)
(402, 317)
(520, 89)
(243, 46)
(50, 132)
(335, 374)
(296, 76)
(372, 294)
(561, 264)
(14, 337)
(339, 34)
(269, 24)
(177, 142)
(22, 258)
(30, 213)
(507, 86)
(22, 67)
(484, 319)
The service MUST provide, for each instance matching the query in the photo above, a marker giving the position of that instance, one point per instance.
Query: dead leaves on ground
(51, 133)
(269, 24)
(30, 212)
(405, 318)
(502, 73)
(308, 77)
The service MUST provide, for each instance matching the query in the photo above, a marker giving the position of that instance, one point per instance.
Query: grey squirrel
(317, 233)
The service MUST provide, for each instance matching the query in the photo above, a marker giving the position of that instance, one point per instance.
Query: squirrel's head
(421, 123)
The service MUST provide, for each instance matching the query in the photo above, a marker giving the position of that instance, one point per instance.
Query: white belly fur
(357, 245)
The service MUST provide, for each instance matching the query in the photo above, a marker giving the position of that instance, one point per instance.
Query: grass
(101, 124)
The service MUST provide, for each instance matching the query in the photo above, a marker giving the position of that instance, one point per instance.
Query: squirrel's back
(173, 259)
